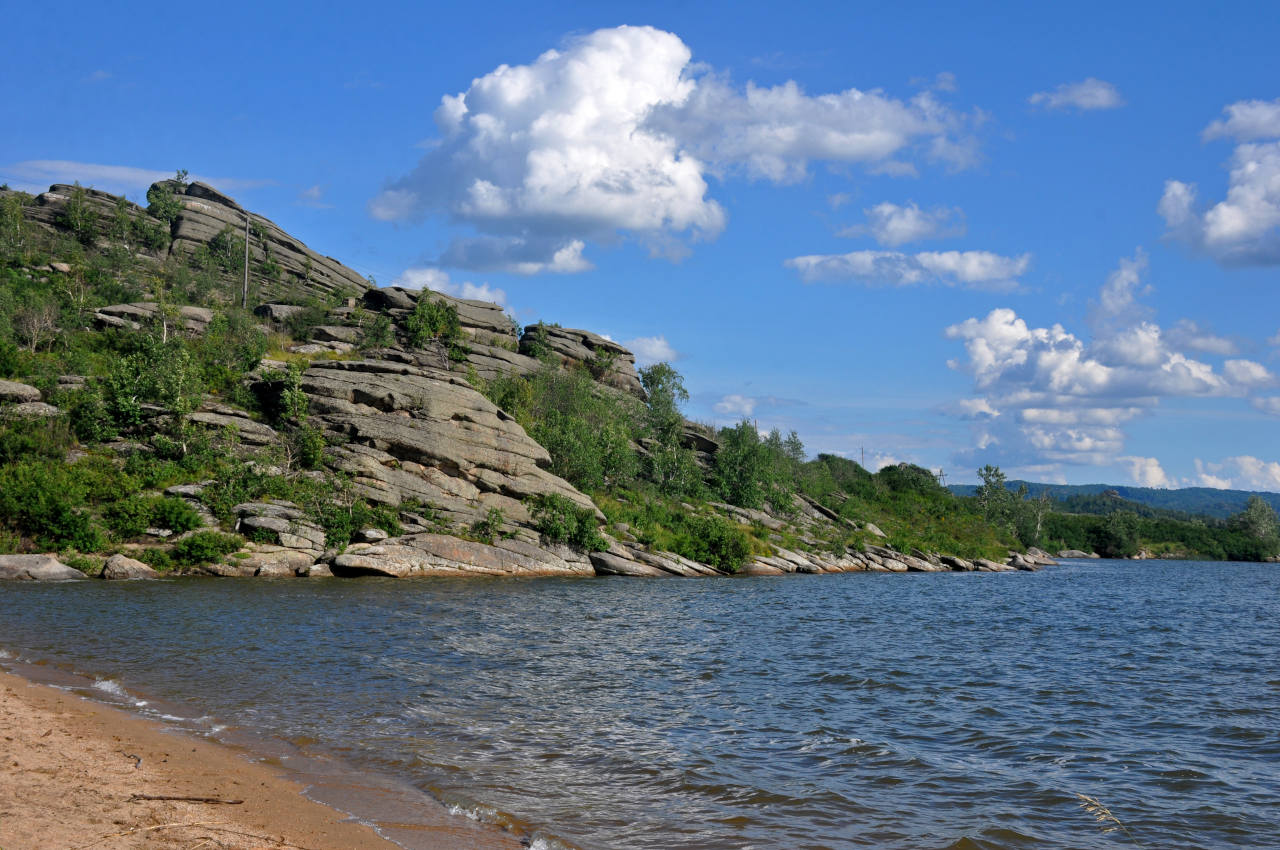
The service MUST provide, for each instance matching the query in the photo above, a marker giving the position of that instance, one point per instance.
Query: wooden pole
(244, 297)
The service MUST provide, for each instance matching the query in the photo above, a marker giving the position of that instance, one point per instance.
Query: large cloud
(1046, 395)
(1244, 228)
(969, 269)
(613, 135)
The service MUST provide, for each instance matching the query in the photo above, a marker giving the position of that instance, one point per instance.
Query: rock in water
(120, 568)
(36, 568)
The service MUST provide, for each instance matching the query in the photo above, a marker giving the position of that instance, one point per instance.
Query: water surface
(856, 710)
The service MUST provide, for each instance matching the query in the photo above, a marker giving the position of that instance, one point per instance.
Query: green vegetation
(435, 320)
(489, 527)
(1117, 528)
(559, 520)
(93, 480)
(141, 387)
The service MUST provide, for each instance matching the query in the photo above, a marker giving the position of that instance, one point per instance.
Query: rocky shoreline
(428, 554)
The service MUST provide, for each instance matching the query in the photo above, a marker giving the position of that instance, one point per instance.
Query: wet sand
(72, 772)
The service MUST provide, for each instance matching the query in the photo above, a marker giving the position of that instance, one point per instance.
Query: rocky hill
(350, 430)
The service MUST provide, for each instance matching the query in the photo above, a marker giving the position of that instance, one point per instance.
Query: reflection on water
(904, 711)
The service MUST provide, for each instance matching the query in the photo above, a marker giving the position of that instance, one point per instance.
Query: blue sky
(955, 234)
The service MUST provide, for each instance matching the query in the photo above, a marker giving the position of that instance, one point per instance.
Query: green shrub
(559, 520)
(36, 437)
(488, 527)
(205, 547)
(128, 518)
(174, 514)
(436, 320)
(341, 519)
(163, 203)
(294, 402)
(714, 540)
(308, 445)
(45, 501)
(377, 333)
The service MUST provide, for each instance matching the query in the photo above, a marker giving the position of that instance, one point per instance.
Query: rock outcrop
(138, 314)
(36, 568)
(206, 212)
(12, 391)
(443, 555)
(279, 263)
(410, 432)
(609, 362)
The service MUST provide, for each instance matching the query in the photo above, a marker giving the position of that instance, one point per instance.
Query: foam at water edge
(109, 686)
(4, 654)
(548, 842)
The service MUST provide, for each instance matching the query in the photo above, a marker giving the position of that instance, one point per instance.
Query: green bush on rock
(559, 520)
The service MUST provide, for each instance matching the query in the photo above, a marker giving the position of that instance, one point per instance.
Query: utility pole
(244, 297)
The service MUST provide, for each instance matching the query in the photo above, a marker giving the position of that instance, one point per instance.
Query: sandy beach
(75, 775)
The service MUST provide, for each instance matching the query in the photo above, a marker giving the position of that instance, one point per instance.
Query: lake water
(855, 710)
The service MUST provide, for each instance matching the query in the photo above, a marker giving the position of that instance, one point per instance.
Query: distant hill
(1204, 501)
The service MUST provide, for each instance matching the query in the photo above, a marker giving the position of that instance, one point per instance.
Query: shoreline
(75, 771)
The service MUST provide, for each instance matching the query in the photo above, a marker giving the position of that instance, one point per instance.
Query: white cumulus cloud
(735, 405)
(1190, 335)
(1244, 472)
(1147, 472)
(1268, 404)
(893, 225)
(968, 269)
(614, 134)
(1243, 229)
(1047, 395)
(1088, 94)
(1246, 121)
(651, 349)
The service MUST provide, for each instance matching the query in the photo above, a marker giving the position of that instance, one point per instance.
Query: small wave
(5, 654)
(110, 686)
(541, 841)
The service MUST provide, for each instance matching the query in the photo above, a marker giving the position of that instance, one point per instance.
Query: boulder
(277, 313)
(122, 568)
(335, 333)
(30, 410)
(607, 564)
(1019, 562)
(759, 568)
(221, 416)
(13, 391)
(1076, 553)
(958, 564)
(36, 568)
(193, 319)
(439, 554)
